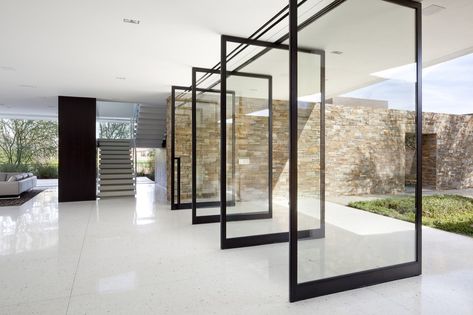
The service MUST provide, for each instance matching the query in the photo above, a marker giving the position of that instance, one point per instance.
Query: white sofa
(14, 184)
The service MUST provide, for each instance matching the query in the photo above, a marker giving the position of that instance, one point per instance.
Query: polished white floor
(135, 256)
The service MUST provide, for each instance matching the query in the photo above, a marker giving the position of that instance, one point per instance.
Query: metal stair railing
(133, 129)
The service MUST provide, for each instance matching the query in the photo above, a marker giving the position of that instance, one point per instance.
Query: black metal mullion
(178, 159)
(322, 142)
(293, 228)
(419, 184)
(223, 142)
(173, 144)
(270, 146)
(194, 149)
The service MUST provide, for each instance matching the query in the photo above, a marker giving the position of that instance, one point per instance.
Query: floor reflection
(29, 227)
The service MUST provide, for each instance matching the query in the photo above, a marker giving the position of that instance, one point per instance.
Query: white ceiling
(65, 47)
(79, 48)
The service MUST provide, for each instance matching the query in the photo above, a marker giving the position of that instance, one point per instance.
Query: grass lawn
(451, 213)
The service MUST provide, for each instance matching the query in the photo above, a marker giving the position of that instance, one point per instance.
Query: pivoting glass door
(259, 77)
(372, 213)
(207, 145)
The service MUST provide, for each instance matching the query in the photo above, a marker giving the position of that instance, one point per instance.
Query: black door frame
(300, 291)
(261, 239)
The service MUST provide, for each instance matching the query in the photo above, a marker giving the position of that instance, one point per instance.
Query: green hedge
(452, 213)
(42, 171)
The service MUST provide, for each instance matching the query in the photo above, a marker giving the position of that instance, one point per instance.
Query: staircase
(116, 170)
(150, 126)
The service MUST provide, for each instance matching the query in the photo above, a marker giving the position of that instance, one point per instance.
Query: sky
(447, 87)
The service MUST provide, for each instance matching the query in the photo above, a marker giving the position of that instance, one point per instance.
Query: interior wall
(77, 149)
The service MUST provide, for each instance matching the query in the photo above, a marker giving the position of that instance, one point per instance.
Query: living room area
(123, 141)
(28, 157)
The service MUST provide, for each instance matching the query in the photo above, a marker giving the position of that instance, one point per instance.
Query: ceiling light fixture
(28, 86)
(131, 21)
(120, 78)
(336, 52)
(432, 9)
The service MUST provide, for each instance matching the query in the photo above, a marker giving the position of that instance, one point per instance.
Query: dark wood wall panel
(77, 148)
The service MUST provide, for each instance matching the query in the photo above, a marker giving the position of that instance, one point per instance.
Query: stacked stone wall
(366, 150)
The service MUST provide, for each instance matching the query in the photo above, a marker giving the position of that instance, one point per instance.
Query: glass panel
(207, 139)
(183, 145)
(207, 152)
(114, 130)
(310, 150)
(261, 146)
(369, 207)
(250, 119)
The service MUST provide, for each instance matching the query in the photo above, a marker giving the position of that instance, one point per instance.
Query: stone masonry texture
(367, 151)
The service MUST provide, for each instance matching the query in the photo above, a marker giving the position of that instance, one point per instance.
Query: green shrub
(13, 168)
(46, 171)
(42, 171)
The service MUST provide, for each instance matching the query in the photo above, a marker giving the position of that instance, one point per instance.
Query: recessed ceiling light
(131, 21)
(7, 68)
(336, 52)
(120, 78)
(432, 9)
(28, 86)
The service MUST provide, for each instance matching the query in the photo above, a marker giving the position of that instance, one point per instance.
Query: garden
(29, 146)
(452, 213)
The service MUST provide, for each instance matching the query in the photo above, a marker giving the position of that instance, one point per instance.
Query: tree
(25, 141)
(110, 130)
